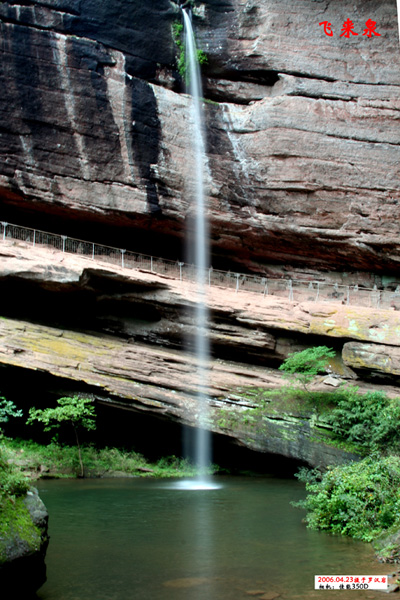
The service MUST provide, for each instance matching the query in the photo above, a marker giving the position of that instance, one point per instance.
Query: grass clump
(56, 460)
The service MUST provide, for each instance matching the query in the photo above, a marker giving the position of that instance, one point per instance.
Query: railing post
(151, 263)
(63, 237)
(34, 237)
(4, 223)
(180, 270)
(237, 282)
(266, 288)
(122, 257)
(92, 251)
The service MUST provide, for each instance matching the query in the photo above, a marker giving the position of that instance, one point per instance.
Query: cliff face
(303, 154)
(302, 176)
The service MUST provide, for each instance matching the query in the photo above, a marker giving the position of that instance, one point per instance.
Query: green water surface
(141, 539)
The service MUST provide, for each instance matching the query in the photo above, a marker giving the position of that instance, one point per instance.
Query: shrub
(360, 499)
(7, 410)
(370, 420)
(303, 366)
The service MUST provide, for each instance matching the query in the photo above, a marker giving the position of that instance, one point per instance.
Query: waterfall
(199, 248)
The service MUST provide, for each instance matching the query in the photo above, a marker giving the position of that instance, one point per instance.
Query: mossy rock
(23, 544)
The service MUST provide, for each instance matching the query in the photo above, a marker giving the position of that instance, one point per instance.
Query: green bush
(62, 461)
(360, 499)
(371, 420)
(7, 410)
(303, 366)
(77, 411)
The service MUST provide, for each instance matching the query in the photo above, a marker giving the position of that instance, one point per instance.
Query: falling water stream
(199, 251)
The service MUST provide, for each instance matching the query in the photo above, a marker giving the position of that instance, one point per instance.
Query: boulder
(379, 358)
(23, 550)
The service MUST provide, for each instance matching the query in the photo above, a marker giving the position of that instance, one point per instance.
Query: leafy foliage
(177, 31)
(371, 420)
(76, 410)
(202, 58)
(360, 499)
(8, 409)
(61, 460)
(12, 482)
(303, 366)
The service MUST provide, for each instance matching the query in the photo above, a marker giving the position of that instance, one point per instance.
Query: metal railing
(293, 289)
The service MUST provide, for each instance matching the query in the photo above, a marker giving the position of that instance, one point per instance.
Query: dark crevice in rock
(310, 76)
(260, 76)
(266, 77)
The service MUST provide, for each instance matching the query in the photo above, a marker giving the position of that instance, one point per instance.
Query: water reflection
(141, 539)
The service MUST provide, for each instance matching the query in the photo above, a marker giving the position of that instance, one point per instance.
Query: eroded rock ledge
(120, 335)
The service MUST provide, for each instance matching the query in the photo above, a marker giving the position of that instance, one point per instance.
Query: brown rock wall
(379, 358)
(307, 174)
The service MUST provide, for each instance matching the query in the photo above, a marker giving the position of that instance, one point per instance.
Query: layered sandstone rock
(95, 129)
(123, 334)
(379, 358)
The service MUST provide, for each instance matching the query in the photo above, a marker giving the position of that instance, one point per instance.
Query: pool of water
(142, 539)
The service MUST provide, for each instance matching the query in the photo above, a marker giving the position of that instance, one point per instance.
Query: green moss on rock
(18, 534)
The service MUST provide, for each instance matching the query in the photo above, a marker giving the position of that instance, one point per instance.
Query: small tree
(7, 410)
(77, 411)
(305, 365)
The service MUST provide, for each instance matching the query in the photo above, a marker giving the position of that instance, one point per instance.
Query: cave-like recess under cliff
(302, 177)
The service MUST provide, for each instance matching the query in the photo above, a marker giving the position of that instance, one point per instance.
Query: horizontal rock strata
(302, 152)
(139, 364)
(379, 358)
